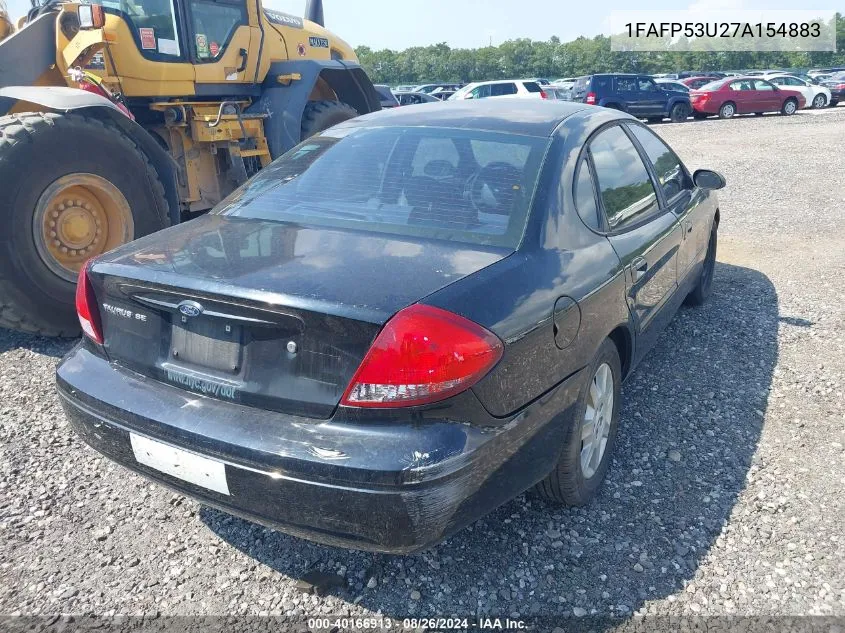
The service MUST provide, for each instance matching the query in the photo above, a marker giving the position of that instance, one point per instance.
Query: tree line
(553, 58)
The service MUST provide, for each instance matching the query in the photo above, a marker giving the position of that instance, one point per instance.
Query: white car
(815, 96)
(501, 89)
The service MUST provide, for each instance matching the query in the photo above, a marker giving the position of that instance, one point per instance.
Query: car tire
(790, 107)
(679, 112)
(574, 482)
(699, 116)
(758, 114)
(704, 286)
(833, 103)
(654, 119)
(727, 110)
(819, 101)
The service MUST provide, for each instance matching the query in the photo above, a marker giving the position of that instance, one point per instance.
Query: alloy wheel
(598, 416)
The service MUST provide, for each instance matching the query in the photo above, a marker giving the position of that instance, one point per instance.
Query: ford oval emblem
(190, 308)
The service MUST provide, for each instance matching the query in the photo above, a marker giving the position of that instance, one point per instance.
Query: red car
(743, 95)
(694, 83)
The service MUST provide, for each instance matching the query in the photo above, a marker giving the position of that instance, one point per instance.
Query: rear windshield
(713, 85)
(531, 86)
(458, 185)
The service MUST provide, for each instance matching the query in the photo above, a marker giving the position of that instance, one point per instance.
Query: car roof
(511, 116)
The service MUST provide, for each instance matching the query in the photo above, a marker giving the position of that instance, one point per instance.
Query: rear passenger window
(532, 86)
(626, 84)
(501, 90)
(670, 173)
(601, 84)
(625, 186)
(585, 196)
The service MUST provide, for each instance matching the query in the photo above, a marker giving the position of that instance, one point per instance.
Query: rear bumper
(395, 486)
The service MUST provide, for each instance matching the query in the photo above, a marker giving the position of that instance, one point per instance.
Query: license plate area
(207, 344)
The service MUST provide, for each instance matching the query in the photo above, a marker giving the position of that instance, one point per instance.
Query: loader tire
(77, 175)
(321, 115)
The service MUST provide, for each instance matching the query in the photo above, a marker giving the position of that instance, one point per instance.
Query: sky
(398, 24)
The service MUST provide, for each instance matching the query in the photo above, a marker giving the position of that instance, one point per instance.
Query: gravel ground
(725, 496)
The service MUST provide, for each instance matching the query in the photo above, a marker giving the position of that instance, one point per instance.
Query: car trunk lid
(263, 313)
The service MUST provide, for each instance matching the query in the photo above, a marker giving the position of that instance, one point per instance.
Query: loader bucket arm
(29, 53)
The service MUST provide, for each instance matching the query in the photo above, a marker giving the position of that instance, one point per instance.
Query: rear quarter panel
(515, 298)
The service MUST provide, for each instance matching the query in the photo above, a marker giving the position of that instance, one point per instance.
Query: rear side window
(670, 172)
(531, 86)
(626, 190)
(601, 84)
(585, 196)
(501, 90)
(457, 185)
(626, 84)
(745, 84)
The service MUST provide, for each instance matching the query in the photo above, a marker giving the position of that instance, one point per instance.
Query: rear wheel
(61, 206)
(679, 113)
(819, 101)
(790, 106)
(727, 110)
(321, 115)
(588, 449)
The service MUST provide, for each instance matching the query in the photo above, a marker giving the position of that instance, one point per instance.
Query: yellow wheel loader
(122, 118)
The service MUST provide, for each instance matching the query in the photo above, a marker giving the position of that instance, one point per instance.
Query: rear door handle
(639, 267)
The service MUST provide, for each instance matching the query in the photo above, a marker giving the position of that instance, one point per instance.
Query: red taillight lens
(543, 94)
(591, 98)
(86, 306)
(840, 87)
(423, 354)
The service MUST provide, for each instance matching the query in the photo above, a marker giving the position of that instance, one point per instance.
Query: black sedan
(836, 84)
(400, 324)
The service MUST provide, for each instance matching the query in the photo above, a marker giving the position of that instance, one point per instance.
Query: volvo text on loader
(121, 118)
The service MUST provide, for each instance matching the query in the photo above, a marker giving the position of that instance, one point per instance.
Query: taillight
(591, 98)
(840, 87)
(543, 94)
(422, 355)
(86, 306)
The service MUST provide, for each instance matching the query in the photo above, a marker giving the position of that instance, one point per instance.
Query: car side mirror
(708, 179)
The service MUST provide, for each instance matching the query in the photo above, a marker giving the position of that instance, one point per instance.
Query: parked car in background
(500, 89)
(429, 88)
(836, 84)
(442, 93)
(555, 93)
(638, 95)
(541, 81)
(816, 72)
(744, 95)
(374, 342)
(814, 96)
(671, 85)
(405, 88)
(684, 74)
(671, 76)
(414, 98)
(820, 78)
(386, 96)
(695, 82)
(563, 81)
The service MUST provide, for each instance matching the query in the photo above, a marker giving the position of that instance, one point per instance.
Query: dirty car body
(229, 347)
